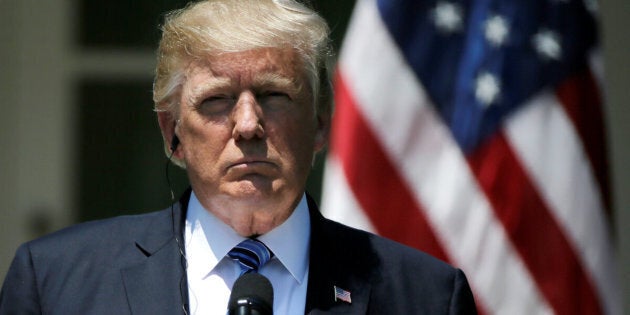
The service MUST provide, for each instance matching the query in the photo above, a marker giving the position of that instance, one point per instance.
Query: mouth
(252, 165)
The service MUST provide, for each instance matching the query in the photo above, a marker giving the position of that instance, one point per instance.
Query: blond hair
(212, 27)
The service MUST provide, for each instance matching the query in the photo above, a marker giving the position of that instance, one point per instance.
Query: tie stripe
(250, 254)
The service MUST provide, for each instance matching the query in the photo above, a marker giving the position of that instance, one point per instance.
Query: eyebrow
(266, 80)
(202, 89)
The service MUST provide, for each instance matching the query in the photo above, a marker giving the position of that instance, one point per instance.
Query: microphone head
(254, 291)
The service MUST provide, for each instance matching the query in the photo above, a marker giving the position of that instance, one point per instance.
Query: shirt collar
(208, 239)
(292, 251)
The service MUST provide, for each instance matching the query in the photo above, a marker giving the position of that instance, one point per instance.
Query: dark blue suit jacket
(134, 265)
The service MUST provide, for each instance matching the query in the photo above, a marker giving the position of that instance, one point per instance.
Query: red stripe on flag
(534, 232)
(581, 100)
(376, 183)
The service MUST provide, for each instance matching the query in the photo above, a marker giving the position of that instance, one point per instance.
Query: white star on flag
(448, 17)
(487, 88)
(592, 6)
(547, 44)
(496, 30)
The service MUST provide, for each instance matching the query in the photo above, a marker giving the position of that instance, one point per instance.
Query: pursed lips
(251, 163)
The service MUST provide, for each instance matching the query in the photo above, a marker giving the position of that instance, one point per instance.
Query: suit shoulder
(118, 223)
(97, 233)
(396, 273)
(84, 262)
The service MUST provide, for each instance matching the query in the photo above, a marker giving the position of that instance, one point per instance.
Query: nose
(247, 117)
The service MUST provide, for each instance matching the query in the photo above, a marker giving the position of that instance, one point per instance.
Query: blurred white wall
(35, 120)
(39, 63)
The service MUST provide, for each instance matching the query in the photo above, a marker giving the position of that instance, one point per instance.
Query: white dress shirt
(211, 274)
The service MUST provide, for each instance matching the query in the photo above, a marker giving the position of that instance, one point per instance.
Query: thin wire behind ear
(174, 145)
(180, 247)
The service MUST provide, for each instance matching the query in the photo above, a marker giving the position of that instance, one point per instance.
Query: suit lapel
(333, 263)
(157, 284)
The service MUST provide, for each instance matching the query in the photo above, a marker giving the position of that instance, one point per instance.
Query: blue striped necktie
(250, 254)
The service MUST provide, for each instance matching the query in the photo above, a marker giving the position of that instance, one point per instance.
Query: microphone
(252, 294)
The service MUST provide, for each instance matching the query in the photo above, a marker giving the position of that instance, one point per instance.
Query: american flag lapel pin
(342, 295)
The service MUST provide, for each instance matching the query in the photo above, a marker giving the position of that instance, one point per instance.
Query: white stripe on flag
(338, 202)
(564, 178)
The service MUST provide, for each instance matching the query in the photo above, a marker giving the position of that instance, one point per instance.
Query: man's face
(248, 133)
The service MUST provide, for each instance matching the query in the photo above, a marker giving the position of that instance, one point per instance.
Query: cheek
(200, 128)
(203, 142)
(299, 139)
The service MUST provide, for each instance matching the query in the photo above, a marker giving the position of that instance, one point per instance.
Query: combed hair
(211, 27)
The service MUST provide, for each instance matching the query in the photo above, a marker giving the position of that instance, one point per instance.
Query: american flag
(473, 130)
(342, 295)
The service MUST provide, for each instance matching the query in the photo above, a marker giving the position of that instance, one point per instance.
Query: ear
(322, 132)
(167, 123)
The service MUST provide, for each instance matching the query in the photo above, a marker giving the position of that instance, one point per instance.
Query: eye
(215, 105)
(274, 94)
(277, 94)
(274, 99)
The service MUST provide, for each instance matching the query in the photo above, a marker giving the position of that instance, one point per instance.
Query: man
(243, 103)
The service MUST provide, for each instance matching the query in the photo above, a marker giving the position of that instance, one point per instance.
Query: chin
(257, 188)
(248, 192)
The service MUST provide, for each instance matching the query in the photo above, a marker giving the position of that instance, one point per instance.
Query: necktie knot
(251, 254)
